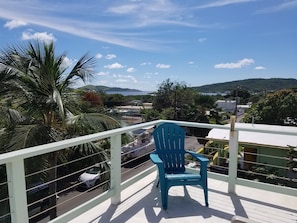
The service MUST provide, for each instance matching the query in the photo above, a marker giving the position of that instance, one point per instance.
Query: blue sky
(140, 43)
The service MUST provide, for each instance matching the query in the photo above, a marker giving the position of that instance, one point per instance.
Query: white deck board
(141, 203)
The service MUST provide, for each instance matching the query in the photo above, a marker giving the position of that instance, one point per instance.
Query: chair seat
(183, 177)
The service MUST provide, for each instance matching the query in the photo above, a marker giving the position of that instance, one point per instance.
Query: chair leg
(164, 199)
(164, 196)
(206, 196)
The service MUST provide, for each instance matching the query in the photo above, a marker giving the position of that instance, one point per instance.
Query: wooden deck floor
(141, 203)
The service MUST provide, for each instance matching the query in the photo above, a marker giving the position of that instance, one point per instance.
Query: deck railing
(18, 189)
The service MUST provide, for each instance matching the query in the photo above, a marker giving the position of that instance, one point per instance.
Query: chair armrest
(156, 159)
(203, 164)
(200, 158)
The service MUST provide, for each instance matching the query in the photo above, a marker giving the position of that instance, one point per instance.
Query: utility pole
(236, 102)
(175, 104)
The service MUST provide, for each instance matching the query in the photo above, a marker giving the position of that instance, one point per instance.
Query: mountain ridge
(102, 88)
(252, 84)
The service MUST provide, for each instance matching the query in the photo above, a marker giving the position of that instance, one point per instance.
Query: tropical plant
(274, 109)
(38, 86)
(112, 100)
(93, 99)
(177, 101)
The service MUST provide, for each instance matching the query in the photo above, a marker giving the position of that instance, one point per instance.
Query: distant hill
(102, 88)
(254, 85)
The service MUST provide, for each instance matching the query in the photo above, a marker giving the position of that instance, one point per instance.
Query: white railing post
(233, 151)
(115, 173)
(17, 191)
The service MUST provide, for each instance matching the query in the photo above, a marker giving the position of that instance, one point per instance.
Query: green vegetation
(37, 107)
(176, 101)
(252, 85)
(104, 89)
(256, 85)
(276, 108)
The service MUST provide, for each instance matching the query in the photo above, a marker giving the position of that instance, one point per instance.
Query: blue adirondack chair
(170, 159)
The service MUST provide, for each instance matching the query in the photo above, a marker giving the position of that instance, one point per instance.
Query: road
(75, 197)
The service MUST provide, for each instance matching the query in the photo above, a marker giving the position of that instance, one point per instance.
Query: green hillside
(102, 88)
(254, 85)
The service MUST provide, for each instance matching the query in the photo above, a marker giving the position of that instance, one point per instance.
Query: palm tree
(38, 85)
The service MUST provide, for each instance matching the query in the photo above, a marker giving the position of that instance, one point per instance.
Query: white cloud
(98, 26)
(44, 36)
(127, 78)
(163, 66)
(101, 73)
(260, 68)
(121, 80)
(132, 78)
(201, 40)
(131, 70)
(67, 62)
(150, 74)
(220, 3)
(191, 62)
(286, 5)
(99, 56)
(123, 9)
(110, 56)
(238, 64)
(145, 63)
(114, 66)
(14, 24)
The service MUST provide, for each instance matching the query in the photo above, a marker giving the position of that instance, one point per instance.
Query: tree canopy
(174, 100)
(37, 107)
(275, 108)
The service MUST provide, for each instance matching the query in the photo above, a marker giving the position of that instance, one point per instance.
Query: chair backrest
(170, 142)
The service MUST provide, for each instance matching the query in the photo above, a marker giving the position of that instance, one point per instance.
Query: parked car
(90, 177)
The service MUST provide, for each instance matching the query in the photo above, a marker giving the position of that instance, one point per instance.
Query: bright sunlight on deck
(141, 203)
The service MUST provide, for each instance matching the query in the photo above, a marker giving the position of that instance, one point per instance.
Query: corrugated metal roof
(261, 138)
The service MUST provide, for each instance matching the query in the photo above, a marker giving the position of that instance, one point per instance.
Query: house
(229, 106)
(226, 105)
(255, 148)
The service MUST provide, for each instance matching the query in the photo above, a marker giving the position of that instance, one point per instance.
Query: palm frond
(88, 123)
(83, 70)
(11, 116)
(59, 102)
(7, 75)
(24, 136)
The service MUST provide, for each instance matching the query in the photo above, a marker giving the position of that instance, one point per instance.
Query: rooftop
(141, 203)
(264, 138)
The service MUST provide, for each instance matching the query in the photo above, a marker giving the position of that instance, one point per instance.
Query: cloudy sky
(140, 43)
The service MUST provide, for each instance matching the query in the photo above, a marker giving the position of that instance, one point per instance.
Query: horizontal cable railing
(4, 197)
(69, 196)
(68, 186)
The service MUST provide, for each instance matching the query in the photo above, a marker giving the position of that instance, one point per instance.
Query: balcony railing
(13, 164)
